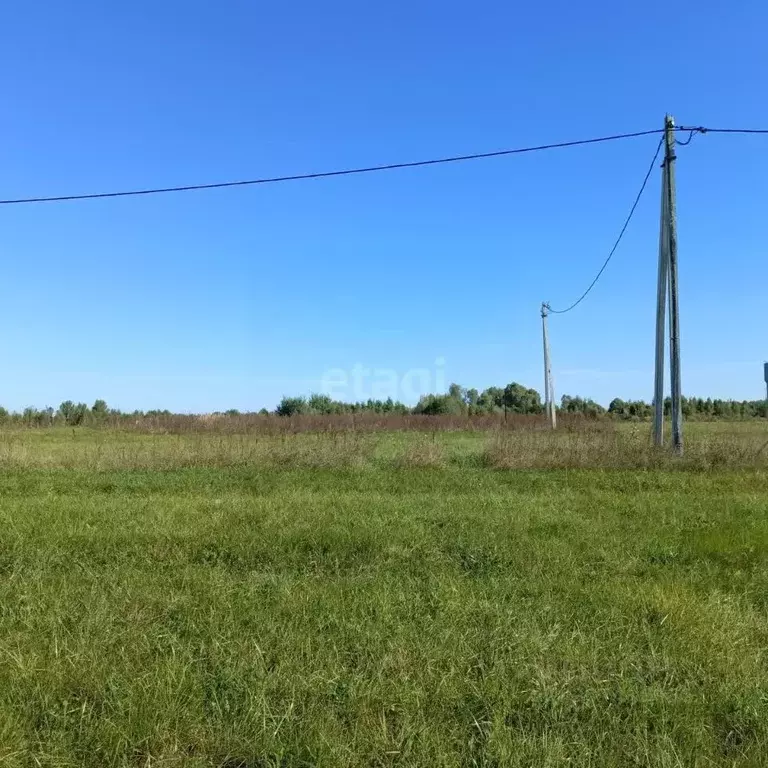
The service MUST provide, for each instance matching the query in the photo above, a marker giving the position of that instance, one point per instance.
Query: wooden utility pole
(549, 392)
(661, 316)
(674, 314)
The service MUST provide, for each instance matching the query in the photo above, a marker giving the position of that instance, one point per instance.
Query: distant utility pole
(765, 376)
(549, 390)
(668, 283)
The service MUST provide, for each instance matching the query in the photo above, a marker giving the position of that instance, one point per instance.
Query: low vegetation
(487, 407)
(368, 597)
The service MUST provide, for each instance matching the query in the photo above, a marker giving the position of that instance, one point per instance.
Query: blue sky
(208, 300)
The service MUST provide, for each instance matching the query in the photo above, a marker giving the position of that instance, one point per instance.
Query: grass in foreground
(412, 610)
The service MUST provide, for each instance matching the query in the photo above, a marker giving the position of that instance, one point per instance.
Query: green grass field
(403, 599)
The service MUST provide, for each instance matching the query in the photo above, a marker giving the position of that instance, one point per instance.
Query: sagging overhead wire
(702, 129)
(330, 174)
(618, 239)
(692, 131)
(373, 168)
(691, 134)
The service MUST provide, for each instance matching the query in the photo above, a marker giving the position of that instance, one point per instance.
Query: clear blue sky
(209, 300)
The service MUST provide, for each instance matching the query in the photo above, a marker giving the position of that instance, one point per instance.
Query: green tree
(66, 410)
(73, 414)
(491, 399)
(520, 399)
(322, 404)
(458, 394)
(617, 407)
(436, 405)
(581, 405)
(292, 406)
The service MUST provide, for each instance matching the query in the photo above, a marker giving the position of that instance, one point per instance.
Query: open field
(406, 599)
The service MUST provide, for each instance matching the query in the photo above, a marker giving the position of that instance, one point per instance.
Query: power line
(702, 129)
(370, 169)
(618, 239)
(691, 133)
(329, 174)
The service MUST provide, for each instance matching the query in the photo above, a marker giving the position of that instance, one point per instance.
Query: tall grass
(361, 599)
(628, 448)
(270, 424)
(590, 445)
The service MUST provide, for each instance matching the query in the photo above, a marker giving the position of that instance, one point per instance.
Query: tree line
(517, 398)
(514, 398)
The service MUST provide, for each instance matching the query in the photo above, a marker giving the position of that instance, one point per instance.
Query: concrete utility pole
(661, 316)
(549, 391)
(765, 376)
(674, 315)
(667, 285)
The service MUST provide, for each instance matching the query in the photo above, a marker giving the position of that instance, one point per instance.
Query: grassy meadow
(378, 598)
